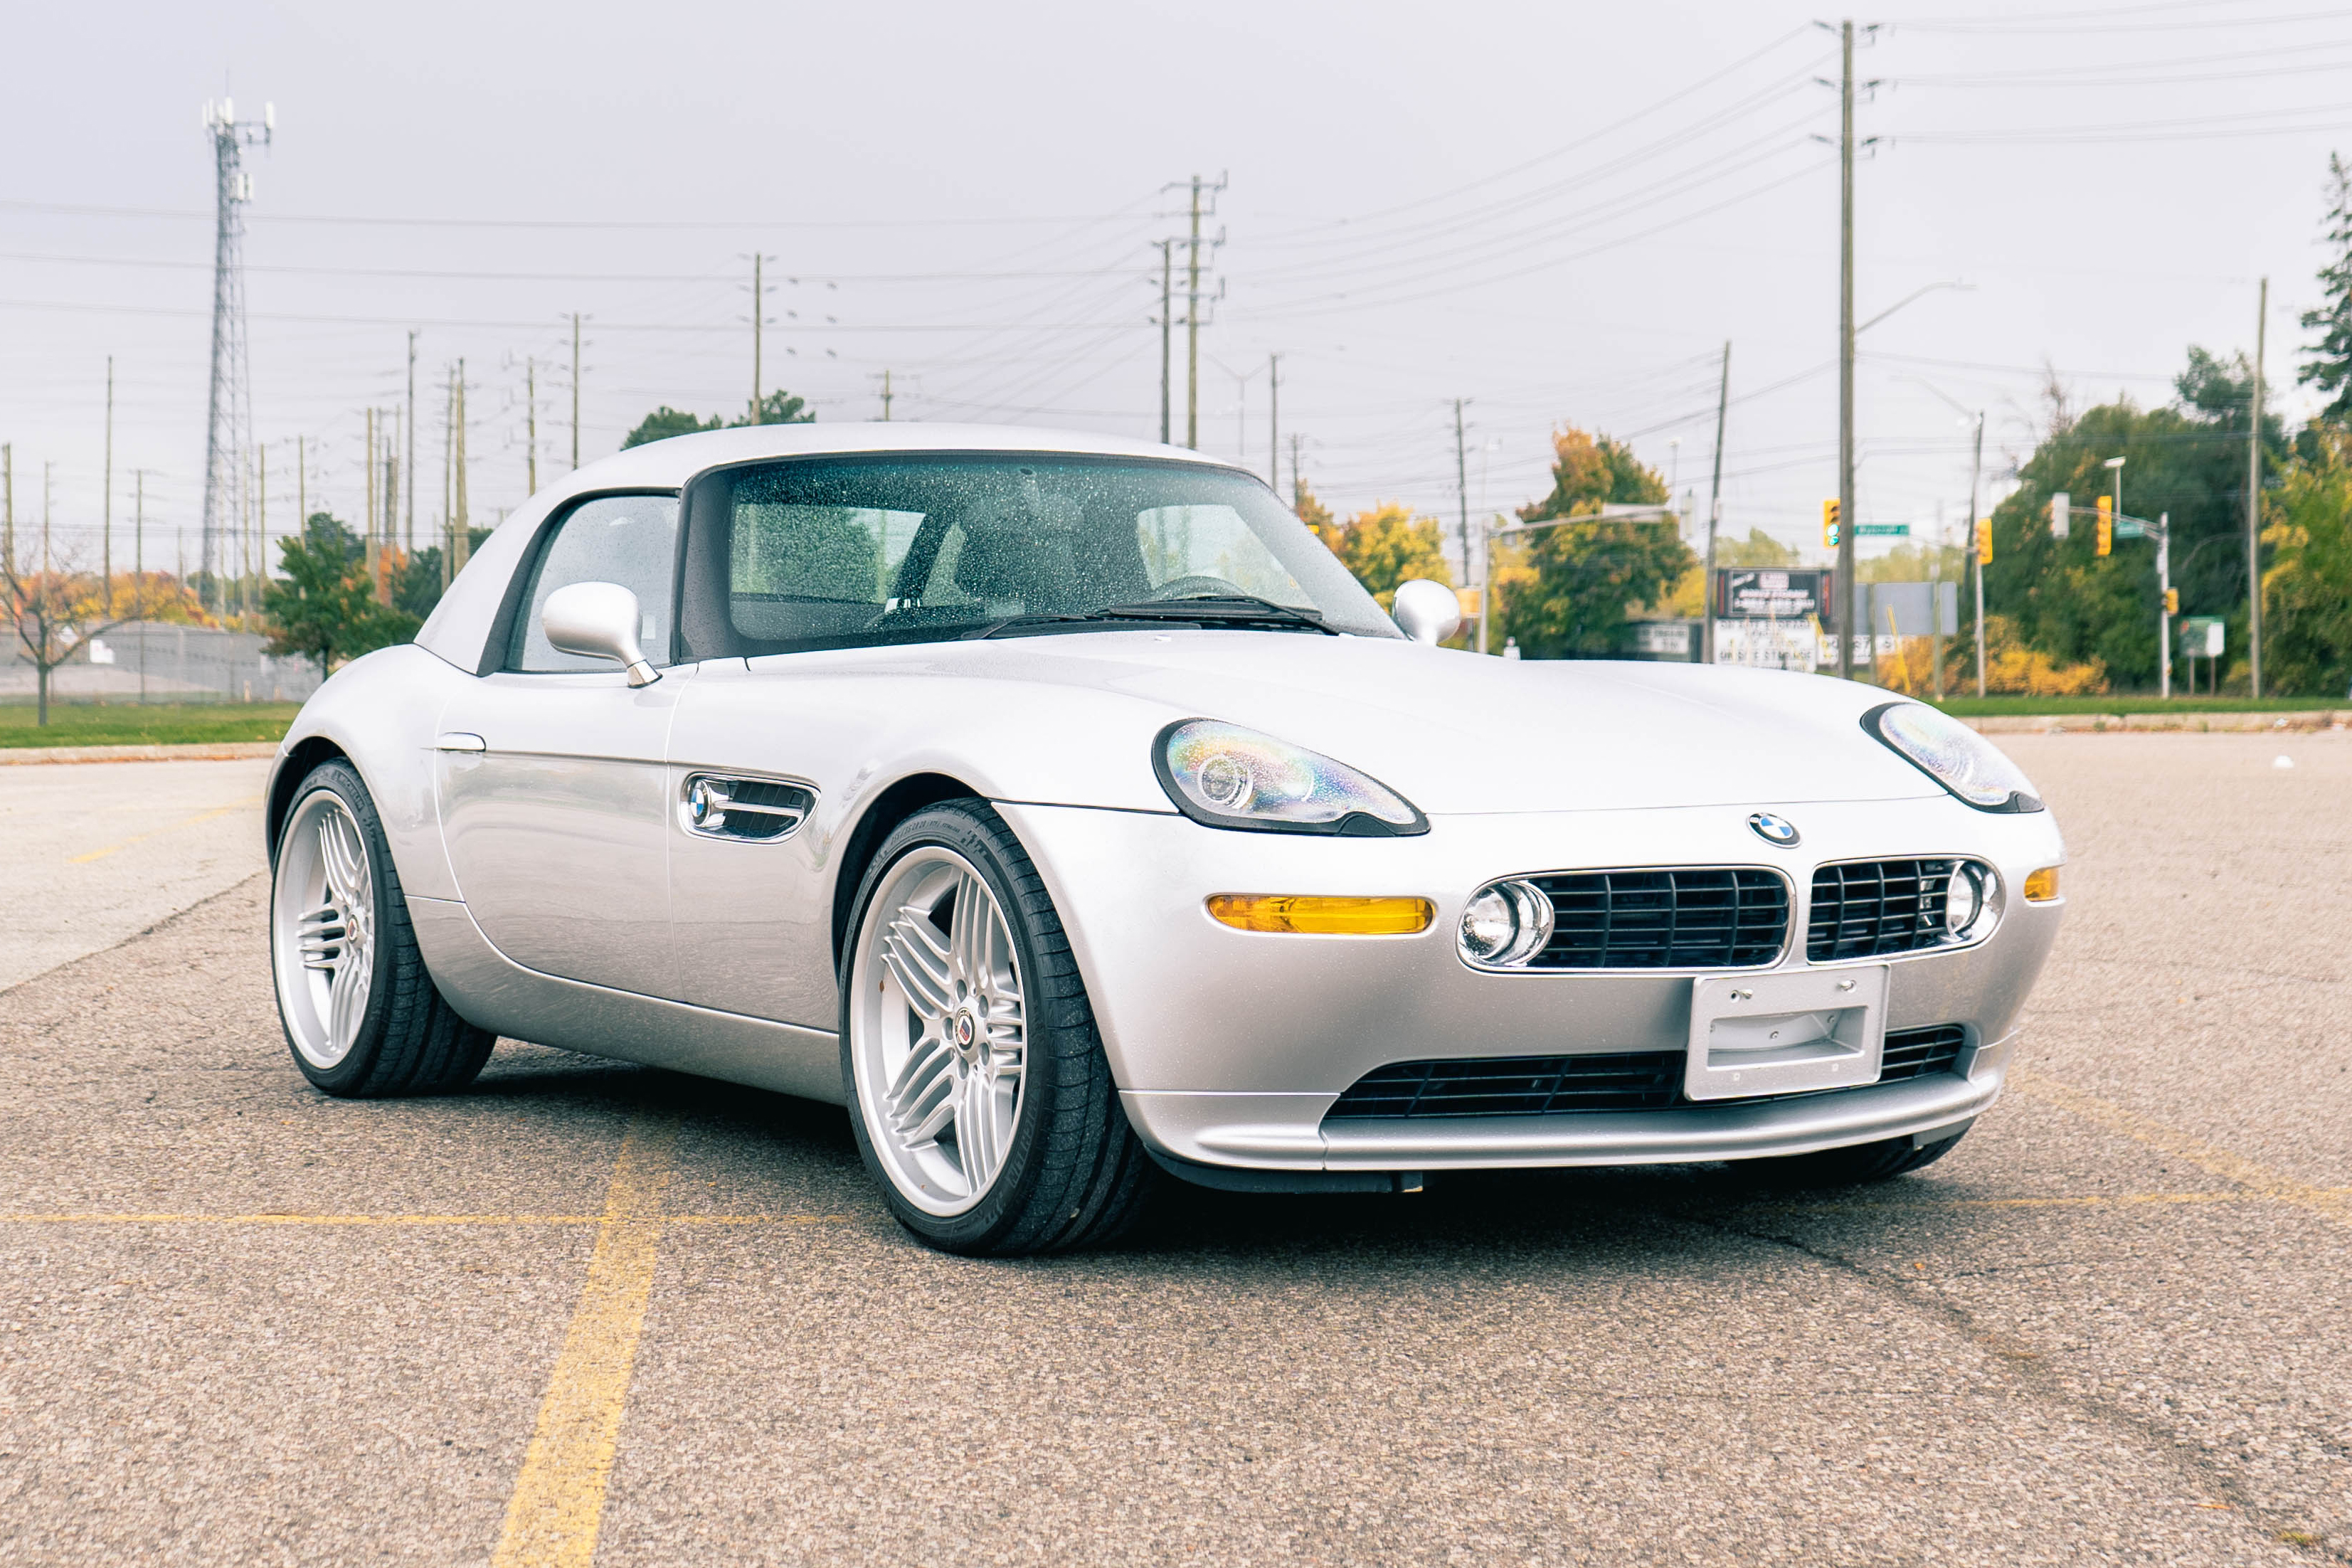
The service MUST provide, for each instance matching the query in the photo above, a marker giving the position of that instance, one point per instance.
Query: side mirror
(598, 620)
(1427, 611)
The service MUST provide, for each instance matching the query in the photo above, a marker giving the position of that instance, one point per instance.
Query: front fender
(380, 712)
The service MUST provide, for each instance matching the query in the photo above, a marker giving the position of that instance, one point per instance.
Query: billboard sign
(1770, 593)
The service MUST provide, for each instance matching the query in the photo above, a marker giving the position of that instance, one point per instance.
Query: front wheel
(361, 1013)
(979, 1092)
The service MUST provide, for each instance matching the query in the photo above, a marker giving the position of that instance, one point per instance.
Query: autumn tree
(1574, 585)
(58, 610)
(2308, 592)
(1387, 546)
(323, 605)
(1311, 512)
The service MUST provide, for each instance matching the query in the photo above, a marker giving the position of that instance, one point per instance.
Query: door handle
(459, 740)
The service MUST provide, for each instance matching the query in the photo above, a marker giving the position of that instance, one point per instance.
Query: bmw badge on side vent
(1773, 829)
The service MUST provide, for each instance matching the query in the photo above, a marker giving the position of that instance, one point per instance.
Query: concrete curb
(214, 752)
(2193, 723)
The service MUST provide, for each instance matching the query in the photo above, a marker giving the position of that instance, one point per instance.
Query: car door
(550, 770)
(780, 736)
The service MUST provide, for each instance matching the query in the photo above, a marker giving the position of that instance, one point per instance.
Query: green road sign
(1882, 531)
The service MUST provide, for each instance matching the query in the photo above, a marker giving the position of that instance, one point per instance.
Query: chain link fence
(153, 661)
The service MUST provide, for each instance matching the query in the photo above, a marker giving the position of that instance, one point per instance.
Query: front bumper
(1229, 1047)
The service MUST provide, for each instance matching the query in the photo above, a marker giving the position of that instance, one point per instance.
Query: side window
(629, 540)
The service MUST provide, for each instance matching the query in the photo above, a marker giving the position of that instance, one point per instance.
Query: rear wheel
(979, 1092)
(361, 1013)
(1854, 1166)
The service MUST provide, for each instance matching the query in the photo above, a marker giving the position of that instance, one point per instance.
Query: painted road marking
(559, 1498)
(245, 804)
(2334, 1203)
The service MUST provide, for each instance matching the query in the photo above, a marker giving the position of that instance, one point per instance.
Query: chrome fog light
(1506, 924)
(1968, 900)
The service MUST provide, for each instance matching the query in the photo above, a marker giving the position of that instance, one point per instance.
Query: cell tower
(230, 419)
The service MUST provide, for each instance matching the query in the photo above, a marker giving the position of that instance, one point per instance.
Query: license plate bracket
(1788, 1032)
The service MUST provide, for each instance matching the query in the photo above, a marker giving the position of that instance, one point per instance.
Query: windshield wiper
(1233, 610)
(1222, 609)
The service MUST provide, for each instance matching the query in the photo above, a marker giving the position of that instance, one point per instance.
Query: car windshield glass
(845, 552)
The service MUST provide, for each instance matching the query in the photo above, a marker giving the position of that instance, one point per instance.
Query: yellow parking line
(559, 1498)
(142, 838)
(2334, 1203)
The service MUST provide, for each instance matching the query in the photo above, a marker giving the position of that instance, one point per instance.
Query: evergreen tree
(2330, 366)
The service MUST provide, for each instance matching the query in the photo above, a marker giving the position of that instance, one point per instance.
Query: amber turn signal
(2043, 886)
(1318, 915)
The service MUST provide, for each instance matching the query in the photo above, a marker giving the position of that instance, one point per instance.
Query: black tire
(409, 1040)
(1850, 1167)
(1074, 1173)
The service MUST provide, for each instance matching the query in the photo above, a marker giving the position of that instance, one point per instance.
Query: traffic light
(1984, 541)
(2062, 507)
(2106, 525)
(2173, 600)
(1830, 524)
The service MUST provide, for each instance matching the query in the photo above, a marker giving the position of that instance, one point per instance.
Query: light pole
(1976, 472)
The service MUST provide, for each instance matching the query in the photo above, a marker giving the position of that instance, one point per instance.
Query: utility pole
(2164, 606)
(375, 557)
(260, 528)
(106, 523)
(302, 486)
(1462, 492)
(575, 389)
(886, 395)
(392, 482)
(1297, 485)
(1848, 520)
(228, 419)
(461, 540)
(1715, 505)
(8, 507)
(530, 426)
(1274, 421)
(758, 310)
(1193, 314)
(1167, 329)
(408, 463)
(1976, 468)
(2254, 498)
(449, 469)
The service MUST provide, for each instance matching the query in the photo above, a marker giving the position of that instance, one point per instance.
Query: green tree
(323, 605)
(2187, 460)
(778, 407)
(1387, 546)
(1566, 592)
(2307, 593)
(1759, 549)
(2329, 361)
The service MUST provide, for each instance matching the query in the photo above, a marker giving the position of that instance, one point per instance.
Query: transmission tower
(230, 416)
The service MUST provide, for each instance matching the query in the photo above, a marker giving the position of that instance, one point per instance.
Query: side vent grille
(757, 811)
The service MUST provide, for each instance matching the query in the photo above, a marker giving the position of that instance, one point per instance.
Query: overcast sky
(1557, 213)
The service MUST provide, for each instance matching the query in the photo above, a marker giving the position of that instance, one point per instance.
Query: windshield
(910, 547)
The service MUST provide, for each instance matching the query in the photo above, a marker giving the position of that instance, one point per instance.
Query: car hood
(1457, 732)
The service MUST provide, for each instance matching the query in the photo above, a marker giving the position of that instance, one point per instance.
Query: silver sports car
(1063, 808)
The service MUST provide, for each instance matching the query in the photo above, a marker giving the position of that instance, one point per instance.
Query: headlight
(1226, 776)
(1506, 924)
(1968, 900)
(1954, 755)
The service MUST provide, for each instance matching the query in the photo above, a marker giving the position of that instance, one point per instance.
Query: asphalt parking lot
(587, 1310)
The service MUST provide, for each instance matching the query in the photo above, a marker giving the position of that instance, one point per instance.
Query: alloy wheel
(938, 1030)
(322, 929)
